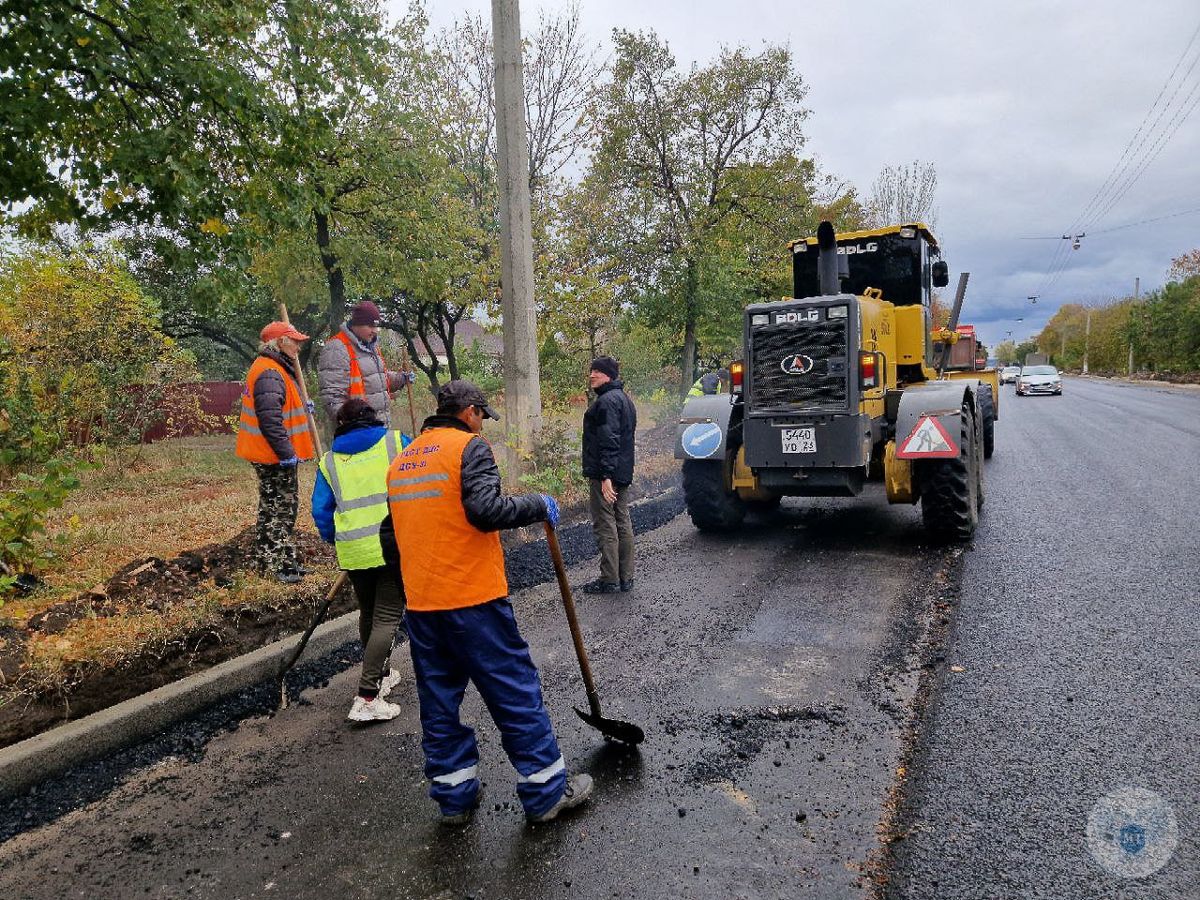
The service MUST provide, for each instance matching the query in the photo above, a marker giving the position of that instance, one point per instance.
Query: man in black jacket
(608, 428)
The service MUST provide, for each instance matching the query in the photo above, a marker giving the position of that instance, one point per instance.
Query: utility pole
(1137, 288)
(522, 384)
(1087, 339)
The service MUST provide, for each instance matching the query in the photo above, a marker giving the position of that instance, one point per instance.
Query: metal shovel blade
(625, 732)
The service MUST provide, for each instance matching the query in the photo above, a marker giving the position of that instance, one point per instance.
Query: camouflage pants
(278, 498)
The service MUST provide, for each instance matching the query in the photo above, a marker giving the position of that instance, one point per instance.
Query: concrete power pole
(1137, 289)
(522, 384)
(1087, 340)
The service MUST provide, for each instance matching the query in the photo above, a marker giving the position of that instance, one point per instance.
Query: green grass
(180, 494)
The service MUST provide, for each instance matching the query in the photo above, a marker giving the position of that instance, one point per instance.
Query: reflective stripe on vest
(357, 387)
(445, 561)
(251, 444)
(358, 482)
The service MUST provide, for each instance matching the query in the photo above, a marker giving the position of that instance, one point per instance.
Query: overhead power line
(1067, 237)
(1122, 162)
(1158, 127)
(1186, 212)
(1164, 138)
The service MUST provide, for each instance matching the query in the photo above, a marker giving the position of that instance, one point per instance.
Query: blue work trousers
(481, 644)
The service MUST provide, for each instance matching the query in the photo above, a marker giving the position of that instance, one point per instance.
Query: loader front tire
(950, 487)
(710, 503)
(987, 409)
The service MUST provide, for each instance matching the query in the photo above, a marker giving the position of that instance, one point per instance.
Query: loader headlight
(760, 319)
(838, 312)
(908, 232)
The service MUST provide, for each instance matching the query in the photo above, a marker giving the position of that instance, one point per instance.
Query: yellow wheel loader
(844, 383)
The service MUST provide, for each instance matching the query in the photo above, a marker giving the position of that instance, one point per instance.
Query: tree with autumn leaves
(83, 366)
(1161, 329)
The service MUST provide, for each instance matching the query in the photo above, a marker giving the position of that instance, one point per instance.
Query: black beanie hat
(357, 413)
(607, 365)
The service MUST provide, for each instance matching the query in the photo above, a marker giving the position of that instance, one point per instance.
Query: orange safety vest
(357, 388)
(251, 444)
(445, 561)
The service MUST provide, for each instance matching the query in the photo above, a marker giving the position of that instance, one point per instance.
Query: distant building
(467, 333)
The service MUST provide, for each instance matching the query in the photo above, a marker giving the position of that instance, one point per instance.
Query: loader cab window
(927, 260)
(899, 266)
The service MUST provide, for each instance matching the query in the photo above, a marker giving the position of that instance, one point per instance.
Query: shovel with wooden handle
(286, 667)
(626, 732)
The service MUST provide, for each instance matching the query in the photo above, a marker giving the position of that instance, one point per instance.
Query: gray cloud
(1023, 107)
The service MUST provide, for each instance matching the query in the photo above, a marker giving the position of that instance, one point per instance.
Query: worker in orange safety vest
(447, 511)
(351, 365)
(274, 436)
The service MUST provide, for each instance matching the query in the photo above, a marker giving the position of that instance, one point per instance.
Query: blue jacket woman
(349, 506)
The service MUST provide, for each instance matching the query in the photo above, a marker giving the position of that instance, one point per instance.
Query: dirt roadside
(215, 586)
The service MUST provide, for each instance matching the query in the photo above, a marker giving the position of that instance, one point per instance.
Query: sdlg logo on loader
(797, 364)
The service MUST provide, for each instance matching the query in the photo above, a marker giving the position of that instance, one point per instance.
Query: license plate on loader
(799, 440)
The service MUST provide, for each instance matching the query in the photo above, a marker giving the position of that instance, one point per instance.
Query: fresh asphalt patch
(778, 671)
(528, 564)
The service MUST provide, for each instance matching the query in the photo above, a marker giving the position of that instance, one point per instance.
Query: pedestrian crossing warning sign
(928, 440)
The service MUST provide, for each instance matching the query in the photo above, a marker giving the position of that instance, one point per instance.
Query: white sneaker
(377, 710)
(390, 680)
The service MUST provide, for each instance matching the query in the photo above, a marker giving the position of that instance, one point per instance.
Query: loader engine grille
(824, 388)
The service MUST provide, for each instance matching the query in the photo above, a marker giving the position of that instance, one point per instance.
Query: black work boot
(288, 575)
(601, 587)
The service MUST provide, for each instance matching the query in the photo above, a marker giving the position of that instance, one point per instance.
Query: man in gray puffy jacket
(350, 365)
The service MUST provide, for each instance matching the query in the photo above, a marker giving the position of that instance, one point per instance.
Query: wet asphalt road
(1078, 632)
(771, 671)
(775, 673)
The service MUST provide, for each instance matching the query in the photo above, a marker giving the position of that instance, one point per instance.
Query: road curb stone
(31, 762)
(34, 759)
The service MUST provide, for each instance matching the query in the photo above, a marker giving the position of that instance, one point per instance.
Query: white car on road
(1038, 380)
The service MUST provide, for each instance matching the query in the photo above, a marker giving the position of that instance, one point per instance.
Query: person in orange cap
(274, 436)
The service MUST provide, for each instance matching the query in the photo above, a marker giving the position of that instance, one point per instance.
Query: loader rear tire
(987, 409)
(950, 487)
(710, 503)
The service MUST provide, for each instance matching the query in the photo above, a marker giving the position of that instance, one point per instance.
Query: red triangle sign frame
(952, 453)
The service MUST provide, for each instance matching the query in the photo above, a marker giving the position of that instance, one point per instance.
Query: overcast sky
(1023, 107)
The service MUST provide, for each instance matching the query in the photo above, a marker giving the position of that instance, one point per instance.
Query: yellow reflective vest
(359, 485)
(698, 388)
